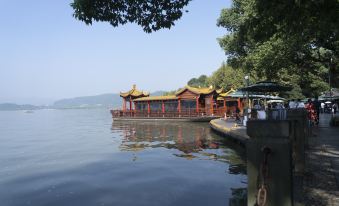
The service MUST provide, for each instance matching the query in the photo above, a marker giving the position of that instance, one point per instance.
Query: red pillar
(239, 104)
(148, 107)
(162, 106)
(225, 108)
(212, 104)
(130, 104)
(179, 106)
(197, 104)
(124, 105)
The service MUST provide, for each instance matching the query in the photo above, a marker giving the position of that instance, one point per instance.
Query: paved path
(230, 129)
(322, 165)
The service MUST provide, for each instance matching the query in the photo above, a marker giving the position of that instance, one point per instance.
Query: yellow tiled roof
(205, 90)
(219, 90)
(227, 93)
(156, 98)
(134, 93)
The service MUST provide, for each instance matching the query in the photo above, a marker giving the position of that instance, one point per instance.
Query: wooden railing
(168, 114)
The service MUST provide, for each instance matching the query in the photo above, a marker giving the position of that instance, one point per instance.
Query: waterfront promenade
(230, 129)
(320, 184)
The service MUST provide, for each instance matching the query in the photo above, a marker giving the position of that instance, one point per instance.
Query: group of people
(329, 107)
(314, 108)
(296, 104)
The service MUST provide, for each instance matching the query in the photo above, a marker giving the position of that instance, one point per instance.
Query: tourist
(257, 106)
(300, 104)
(286, 104)
(322, 105)
(280, 106)
(237, 114)
(317, 106)
(292, 104)
(312, 115)
(334, 108)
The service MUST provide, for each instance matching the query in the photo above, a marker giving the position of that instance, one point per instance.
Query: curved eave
(197, 91)
(134, 94)
(227, 93)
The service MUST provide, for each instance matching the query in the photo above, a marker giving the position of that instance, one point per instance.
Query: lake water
(82, 157)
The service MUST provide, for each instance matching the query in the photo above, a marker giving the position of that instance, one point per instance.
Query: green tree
(151, 15)
(227, 77)
(201, 81)
(291, 41)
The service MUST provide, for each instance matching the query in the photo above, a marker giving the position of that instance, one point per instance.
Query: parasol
(265, 87)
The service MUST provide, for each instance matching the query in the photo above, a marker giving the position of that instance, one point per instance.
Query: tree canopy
(201, 81)
(227, 77)
(291, 41)
(151, 15)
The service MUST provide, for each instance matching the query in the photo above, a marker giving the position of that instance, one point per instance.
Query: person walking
(322, 105)
(237, 114)
(312, 115)
(291, 104)
(300, 104)
(335, 108)
(317, 106)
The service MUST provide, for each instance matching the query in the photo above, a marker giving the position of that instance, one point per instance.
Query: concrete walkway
(321, 183)
(230, 129)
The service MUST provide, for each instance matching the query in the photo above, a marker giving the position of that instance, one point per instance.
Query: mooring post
(269, 163)
(300, 130)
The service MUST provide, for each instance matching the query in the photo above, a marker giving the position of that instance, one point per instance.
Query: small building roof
(156, 98)
(227, 93)
(203, 90)
(134, 93)
(240, 94)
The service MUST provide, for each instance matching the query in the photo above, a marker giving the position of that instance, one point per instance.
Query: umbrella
(266, 86)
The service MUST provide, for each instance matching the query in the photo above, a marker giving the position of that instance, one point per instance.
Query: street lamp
(329, 76)
(247, 79)
(246, 116)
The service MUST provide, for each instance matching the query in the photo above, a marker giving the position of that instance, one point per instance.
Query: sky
(46, 54)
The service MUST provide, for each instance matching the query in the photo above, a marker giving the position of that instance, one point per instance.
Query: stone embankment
(320, 182)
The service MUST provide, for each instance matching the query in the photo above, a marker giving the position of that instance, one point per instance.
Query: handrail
(183, 113)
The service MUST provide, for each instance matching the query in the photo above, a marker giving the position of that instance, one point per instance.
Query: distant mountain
(103, 100)
(11, 107)
(98, 101)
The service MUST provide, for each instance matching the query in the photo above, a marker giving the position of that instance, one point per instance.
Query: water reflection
(239, 197)
(185, 140)
(77, 157)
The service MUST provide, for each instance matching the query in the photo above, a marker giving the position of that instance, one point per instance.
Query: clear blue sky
(45, 54)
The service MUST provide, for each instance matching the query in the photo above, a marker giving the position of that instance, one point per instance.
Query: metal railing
(168, 114)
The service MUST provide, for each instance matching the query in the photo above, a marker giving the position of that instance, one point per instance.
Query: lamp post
(329, 77)
(247, 79)
(246, 113)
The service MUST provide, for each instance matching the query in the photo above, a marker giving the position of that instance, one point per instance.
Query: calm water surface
(79, 157)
